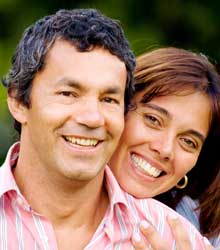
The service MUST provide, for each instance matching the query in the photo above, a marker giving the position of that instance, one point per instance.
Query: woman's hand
(148, 234)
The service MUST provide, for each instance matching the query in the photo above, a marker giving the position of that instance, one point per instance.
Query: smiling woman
(164, 144)
(173, 129)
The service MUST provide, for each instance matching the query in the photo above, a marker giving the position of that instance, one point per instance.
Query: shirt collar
(115, 193)
(118, 203)
(6, 177)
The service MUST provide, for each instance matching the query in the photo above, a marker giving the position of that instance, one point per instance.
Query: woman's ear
(17, 109)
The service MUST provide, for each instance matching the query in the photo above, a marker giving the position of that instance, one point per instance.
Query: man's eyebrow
(157, 108)
(113, 90)
(68, 82)
(75, 84)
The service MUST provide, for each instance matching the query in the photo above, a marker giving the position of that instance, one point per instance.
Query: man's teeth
(82, 141)
(141, 163)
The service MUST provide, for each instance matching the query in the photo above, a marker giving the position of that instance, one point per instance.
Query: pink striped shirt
(22, 228)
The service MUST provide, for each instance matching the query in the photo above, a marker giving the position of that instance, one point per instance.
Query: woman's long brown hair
(169, 71)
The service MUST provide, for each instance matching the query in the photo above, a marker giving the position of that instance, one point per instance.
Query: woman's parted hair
(169, 71)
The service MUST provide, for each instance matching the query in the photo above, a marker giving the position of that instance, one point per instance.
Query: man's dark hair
(84, 28)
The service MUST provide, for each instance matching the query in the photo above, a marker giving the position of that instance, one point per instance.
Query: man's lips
(85, 142)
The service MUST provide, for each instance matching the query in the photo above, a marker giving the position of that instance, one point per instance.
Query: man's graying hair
(84, 28)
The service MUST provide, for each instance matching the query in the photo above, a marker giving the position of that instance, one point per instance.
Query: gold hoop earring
(181, 186)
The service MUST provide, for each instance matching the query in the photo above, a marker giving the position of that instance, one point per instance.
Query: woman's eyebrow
(157, 108)
(197, 134)
(168, 115)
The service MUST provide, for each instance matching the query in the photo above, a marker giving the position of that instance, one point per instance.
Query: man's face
(77, 112)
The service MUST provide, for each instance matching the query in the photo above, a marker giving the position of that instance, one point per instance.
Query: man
(71, 76)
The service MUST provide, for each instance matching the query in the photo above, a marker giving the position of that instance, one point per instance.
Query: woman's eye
(189, 143)
(152, 119)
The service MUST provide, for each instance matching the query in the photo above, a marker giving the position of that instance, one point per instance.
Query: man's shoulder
(7, 181)
(138, 207)
(150, 206)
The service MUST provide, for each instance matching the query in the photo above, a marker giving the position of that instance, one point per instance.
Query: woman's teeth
(81, 141)
(141, 163)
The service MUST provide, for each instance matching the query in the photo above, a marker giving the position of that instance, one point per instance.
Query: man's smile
(85, 142)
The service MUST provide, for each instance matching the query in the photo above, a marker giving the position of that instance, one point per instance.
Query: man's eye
(110, 100)
(67, 93)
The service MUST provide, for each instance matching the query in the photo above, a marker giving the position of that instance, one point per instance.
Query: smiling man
(68, 134)
(70, 82)
(76, 115)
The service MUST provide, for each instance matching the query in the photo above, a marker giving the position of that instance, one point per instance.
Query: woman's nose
(163, 145)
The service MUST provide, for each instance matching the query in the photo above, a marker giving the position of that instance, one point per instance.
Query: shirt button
(45, 239)
(20, 202)
(23, 204)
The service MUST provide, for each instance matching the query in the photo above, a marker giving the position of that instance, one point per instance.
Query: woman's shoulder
(188, 202)
(188, 208)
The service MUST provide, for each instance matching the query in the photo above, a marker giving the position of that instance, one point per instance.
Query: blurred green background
(193, 25)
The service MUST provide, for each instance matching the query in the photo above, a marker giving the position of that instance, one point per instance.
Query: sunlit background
(193, 25)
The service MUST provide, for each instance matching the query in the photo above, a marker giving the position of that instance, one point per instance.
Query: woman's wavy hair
(173, 71)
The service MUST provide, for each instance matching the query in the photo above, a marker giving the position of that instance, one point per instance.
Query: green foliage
(189, 24)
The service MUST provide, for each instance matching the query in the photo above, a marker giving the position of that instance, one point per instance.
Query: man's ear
(17, 109)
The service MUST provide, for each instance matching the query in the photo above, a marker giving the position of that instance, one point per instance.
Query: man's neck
(55, 200)
(74, 209)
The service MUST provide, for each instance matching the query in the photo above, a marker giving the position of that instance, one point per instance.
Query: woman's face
(161, 142)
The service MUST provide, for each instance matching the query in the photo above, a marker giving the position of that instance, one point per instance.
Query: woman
(173, 129)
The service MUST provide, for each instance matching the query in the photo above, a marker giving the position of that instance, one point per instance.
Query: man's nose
(90, 114)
